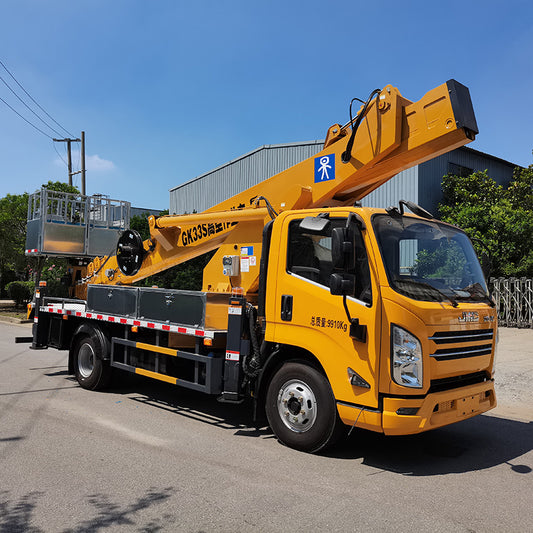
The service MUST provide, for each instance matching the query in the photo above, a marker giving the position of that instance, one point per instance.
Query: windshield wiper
(451, 299)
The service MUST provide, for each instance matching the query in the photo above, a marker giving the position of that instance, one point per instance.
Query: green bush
(56, 288)
(21, 292)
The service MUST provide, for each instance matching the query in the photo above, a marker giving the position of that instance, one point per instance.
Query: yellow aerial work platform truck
(327, 314)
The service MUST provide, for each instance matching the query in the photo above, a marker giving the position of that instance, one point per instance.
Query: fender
(96, 334)
(276, 355)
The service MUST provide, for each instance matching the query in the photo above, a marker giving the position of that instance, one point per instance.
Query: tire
(91, 371)
(301, 409)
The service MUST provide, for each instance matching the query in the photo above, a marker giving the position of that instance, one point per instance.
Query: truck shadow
(475, 444)
(194, 405)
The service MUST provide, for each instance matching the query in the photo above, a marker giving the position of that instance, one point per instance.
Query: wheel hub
(294, 406)
(86, 360)
(297, 405)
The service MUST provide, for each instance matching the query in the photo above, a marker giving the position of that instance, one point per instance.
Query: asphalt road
(152, 457)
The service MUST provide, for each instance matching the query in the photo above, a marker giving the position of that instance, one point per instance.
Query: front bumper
(437, 409)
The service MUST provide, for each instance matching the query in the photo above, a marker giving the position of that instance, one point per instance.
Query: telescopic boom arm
(389, 134)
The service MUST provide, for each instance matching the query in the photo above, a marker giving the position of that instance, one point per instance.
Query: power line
(27, 106)
(25, 119)
(60, 156)
(33, 100)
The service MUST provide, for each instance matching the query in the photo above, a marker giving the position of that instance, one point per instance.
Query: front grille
(473, 335)
(444, 384)
(460, 353)
(481, 337)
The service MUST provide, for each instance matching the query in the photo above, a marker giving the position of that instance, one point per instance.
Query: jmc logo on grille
(469, 316)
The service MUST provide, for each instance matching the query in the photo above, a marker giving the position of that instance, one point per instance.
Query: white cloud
(97, 164)
(93, 163)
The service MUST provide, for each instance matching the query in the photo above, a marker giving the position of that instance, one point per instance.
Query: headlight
(406, 358)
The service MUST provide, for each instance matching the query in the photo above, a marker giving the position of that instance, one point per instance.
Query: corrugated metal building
(141, 211)
(217, 185)
(420, 184)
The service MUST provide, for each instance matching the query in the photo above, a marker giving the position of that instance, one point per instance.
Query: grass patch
(13, 312)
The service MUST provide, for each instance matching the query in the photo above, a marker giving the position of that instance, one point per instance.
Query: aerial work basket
(66, 224)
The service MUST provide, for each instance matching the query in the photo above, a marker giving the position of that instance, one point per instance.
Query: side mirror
(342, 249)
(341, 284)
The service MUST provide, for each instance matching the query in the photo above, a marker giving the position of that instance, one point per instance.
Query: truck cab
(392, 308)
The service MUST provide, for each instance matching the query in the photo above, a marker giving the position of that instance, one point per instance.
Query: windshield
(429, 261)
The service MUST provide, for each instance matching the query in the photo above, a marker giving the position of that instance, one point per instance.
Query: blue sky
(167, 90)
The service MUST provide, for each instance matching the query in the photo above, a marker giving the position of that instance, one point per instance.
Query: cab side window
(309, 256)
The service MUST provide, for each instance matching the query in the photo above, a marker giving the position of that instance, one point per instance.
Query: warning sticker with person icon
(324, 168)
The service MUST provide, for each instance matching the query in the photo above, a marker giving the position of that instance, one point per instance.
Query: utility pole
(83, 163)
(69, 141)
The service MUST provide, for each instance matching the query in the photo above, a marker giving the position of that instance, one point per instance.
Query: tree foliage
(444, 262)
(59, 186)
(13, 215)
(13, 262)
(14, 265)
(500, 218)
(20, 292)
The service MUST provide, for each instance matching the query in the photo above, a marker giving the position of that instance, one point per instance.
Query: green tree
(140, 223)
(59, 186)
(186, 275)
(52, 269)
(500, 218)
(13, 214)
(520, 191)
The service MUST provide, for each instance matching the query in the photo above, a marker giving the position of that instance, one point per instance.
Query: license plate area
(468, 405)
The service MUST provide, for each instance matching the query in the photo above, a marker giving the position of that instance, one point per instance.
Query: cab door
(303, 313)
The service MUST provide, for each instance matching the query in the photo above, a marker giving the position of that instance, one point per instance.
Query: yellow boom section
(394, 134)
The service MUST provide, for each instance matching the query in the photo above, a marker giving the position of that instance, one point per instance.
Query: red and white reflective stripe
(232, 356)
(129, 321)
(32, 251)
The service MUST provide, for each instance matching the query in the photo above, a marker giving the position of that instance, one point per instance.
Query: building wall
(432, 171)
(420, 184)
(215, 186)
(141, 211)
(404, 186)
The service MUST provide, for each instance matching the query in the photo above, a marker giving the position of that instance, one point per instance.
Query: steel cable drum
(130, 252)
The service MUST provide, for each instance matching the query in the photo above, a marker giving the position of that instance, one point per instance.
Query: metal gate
(514, 301)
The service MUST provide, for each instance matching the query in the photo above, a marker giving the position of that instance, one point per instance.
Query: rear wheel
(91, 371)
(301, 409)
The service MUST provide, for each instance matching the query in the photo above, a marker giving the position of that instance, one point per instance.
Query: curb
(11, 320)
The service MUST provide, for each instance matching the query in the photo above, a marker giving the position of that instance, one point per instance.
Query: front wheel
(92, 372)
(301, 409)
